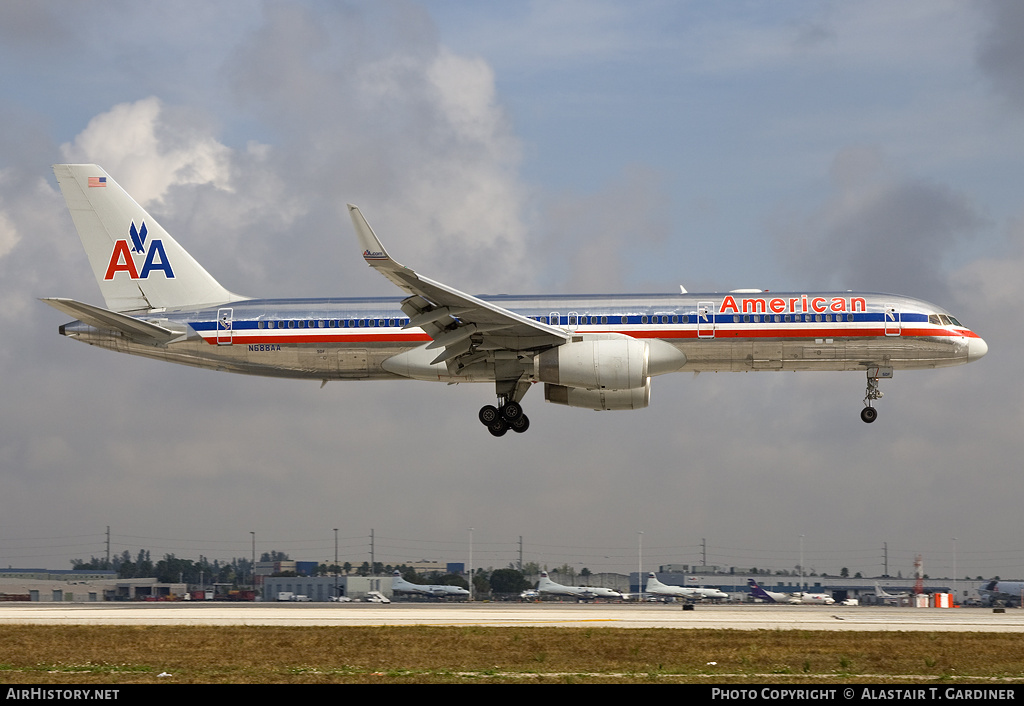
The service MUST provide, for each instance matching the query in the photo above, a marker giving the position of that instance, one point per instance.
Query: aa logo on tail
(121, 259)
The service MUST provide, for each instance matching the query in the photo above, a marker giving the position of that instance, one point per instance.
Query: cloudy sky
(555, 146)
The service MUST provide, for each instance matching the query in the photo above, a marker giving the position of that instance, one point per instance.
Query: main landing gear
(869, 413)
(499, 420)
(509, 413)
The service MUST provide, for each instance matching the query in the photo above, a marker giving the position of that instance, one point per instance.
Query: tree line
(238, 571)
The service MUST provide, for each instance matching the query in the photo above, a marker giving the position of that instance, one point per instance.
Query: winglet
(373, 250)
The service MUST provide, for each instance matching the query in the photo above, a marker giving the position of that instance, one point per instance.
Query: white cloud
(136, 144)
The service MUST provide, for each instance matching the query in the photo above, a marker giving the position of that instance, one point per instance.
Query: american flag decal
(97, 181)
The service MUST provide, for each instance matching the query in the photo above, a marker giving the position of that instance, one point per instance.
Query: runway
(571, 615)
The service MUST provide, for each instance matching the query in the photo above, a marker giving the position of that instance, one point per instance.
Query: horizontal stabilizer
(111, 320)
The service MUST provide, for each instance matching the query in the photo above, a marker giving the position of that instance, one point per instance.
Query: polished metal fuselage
(354, 338)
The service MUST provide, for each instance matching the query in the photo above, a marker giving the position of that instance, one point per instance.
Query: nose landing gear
(869, 413)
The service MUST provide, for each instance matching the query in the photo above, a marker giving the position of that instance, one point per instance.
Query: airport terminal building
(71, 586)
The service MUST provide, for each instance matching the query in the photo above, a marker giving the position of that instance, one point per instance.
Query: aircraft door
(224, 330)
(705, 319)
(892, 320)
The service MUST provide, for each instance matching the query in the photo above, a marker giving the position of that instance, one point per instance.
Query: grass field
(302, 655)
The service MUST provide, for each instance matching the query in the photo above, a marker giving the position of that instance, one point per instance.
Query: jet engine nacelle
(634, 398)
(595, 364)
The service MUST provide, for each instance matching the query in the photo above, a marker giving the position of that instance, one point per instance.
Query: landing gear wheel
(488, 414)
(868, 415)
(521, 424)
(511, 412)
(498, 427)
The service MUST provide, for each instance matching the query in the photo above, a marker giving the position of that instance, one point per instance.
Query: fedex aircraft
(594, 351)
(1009, 592)
(795, 598)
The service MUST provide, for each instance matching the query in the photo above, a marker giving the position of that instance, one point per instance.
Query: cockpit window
(944, 319)
(955, 322)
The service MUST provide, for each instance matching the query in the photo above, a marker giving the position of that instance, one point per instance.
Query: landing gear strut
(509, 413)
(869, 413)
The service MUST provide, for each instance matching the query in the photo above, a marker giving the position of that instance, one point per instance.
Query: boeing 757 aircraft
(596, 351)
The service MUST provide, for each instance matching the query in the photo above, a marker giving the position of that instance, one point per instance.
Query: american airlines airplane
(593, 351)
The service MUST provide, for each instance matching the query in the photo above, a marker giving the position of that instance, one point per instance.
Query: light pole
(640, 565)
(336, 595)
(801, 563)
(470, 563)
(954, 571)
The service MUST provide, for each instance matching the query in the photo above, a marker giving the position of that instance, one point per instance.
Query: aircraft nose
(976, 348)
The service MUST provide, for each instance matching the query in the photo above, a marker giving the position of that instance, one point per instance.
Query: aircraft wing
(468, 329)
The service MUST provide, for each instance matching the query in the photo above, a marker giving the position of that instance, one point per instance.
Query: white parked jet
(546, 585)
(400, 585)
(797, 597)
(593, 351)
(657, 588)
(880, 593)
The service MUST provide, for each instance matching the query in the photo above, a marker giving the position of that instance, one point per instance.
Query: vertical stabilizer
(137, 264)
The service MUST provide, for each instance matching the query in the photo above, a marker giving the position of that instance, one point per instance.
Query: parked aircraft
(592, 351)
(880, 593)
(400, 585)
(546, 585)
(795, 598)
(1008, 592)
(657, 588)
(712, 593)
